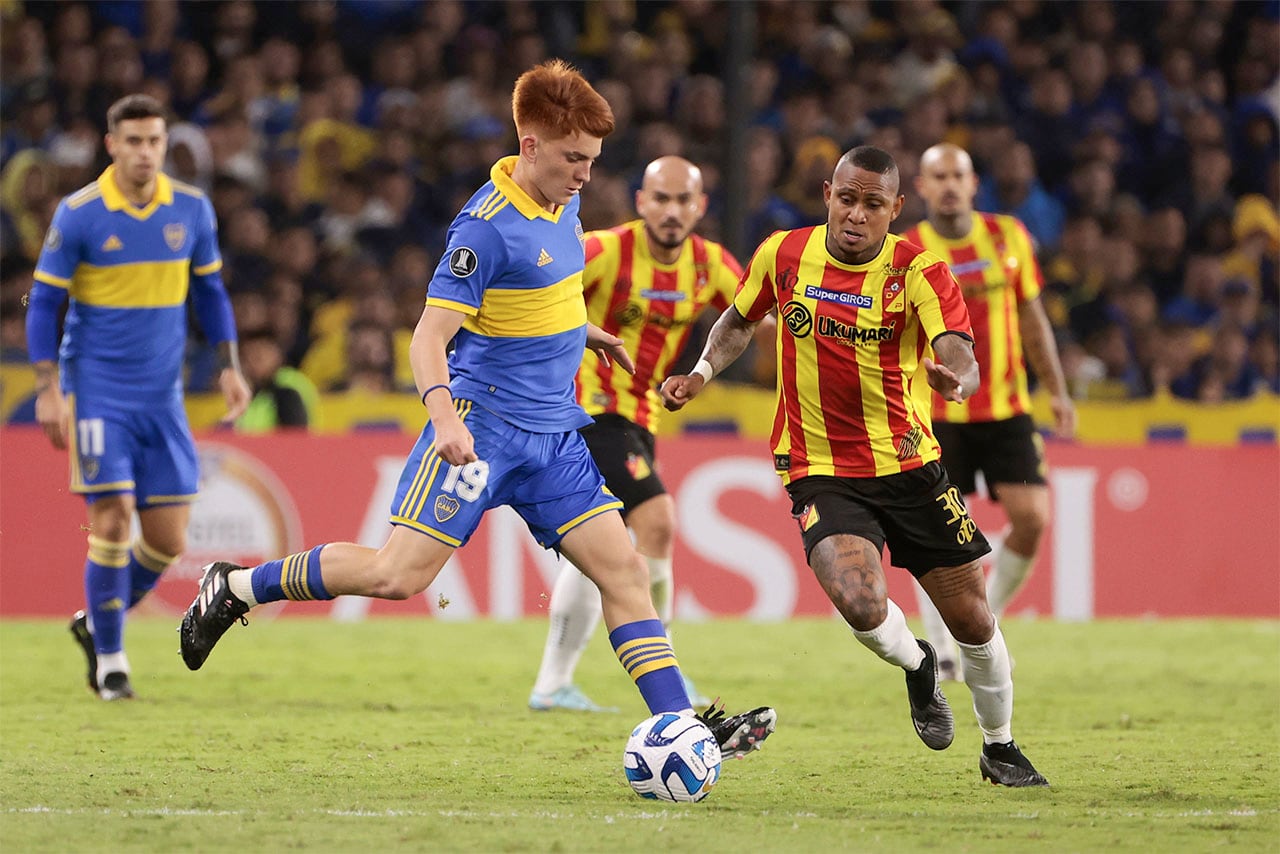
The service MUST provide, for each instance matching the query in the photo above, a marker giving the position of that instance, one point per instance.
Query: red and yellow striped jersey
(651, 306)
(850, 338)
(997, 271)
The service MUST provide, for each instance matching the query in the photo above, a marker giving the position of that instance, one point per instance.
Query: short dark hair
(135, 107)
(870, 158)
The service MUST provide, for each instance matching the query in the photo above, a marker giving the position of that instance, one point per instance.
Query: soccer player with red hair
(504, 418)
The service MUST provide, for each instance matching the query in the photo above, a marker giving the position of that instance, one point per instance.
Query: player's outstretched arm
(955, 374)
(728, 339)
(609, 347)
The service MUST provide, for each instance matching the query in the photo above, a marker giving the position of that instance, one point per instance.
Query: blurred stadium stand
(1139, 141)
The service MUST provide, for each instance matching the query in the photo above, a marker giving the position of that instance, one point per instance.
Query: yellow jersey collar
(114, 199)
(501, 174)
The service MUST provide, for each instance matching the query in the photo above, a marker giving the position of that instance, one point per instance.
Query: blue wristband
(433, 388)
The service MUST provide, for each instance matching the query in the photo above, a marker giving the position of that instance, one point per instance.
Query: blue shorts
(548, 478)
(148, 452)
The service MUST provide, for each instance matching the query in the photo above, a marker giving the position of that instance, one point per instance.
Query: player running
(125, 250)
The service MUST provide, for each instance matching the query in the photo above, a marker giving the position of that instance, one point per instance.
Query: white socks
(988, 674)
(892, 640)
(935, 630)
(241, 583)
(112, 662)
(661, 582)
(575, 611)
(1006, 579)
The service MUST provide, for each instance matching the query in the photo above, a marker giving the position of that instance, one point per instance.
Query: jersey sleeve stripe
(50, 279)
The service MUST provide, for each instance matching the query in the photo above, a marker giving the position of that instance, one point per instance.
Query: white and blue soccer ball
(672, 757)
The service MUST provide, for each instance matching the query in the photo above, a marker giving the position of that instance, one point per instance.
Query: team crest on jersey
(445, 508)
(53, 240)
(638, 467)
(463, 262)
(798, 318)
(895, 296)
(89, 465)
(809, 517)
(175, 234)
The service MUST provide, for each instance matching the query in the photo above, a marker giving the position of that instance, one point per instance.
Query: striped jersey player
(859, 311)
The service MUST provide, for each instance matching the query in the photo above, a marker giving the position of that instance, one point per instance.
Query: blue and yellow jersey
(515, 270)
(127, 271)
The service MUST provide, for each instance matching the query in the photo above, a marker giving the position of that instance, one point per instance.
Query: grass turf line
(311, 735)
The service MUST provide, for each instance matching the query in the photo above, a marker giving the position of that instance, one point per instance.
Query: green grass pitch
(413, 735)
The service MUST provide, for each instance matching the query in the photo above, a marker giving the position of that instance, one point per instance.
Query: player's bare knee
(974, 626)
(625, 577)
(388, 580)
(861, 609)
(397, 586)
(172, 544)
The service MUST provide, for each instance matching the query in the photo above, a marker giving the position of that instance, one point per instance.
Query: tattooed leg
(849, 570)
(959, 592)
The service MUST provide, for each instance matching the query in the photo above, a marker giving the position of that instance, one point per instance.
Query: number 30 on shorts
(466, 481)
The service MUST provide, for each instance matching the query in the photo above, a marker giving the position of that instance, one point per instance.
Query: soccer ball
(672, 757)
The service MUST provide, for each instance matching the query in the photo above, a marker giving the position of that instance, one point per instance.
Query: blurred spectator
(928, 57)
(15, 283)
(1049, 127)
(1201, 296)
(1164, 244)
(28, 191)
(1074, 274)
(33, 123)
(1013, 188)
(767, 212)
(190, 157)
(1256, 254)
(369, 360)
(282, 396)
(1224, 373)
(1121, 378)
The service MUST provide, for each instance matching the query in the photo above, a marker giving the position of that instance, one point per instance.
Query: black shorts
(623, 452)
(1009, 451)
(919, 514)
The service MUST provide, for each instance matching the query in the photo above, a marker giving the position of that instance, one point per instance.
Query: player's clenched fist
(678, 390)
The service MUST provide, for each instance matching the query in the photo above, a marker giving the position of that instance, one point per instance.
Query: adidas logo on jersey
(543, 258)
(112, 244)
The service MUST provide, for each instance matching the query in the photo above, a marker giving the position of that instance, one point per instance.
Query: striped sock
(296, 578)
(645, 652)
(106, 589)
(146, 565)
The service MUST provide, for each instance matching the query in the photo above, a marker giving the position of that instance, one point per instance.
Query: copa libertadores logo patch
(462, 262)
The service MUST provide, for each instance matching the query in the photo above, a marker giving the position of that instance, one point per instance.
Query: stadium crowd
(1137, 141)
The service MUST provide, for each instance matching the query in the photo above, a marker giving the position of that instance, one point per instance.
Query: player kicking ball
(504, 420)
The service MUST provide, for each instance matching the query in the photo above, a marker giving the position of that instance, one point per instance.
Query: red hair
(556, 99)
